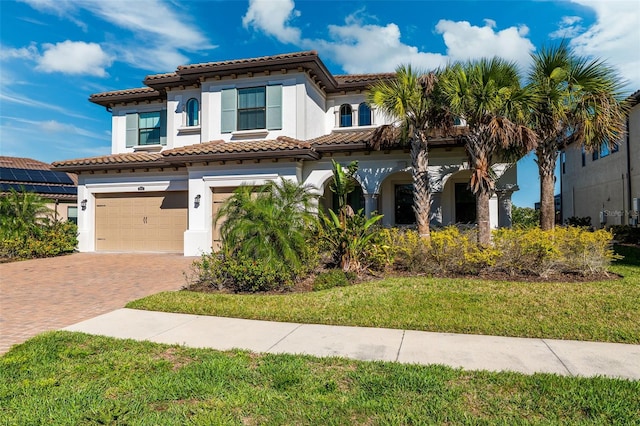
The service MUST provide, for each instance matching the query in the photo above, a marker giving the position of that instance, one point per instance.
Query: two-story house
(185, 141)
(604, 184)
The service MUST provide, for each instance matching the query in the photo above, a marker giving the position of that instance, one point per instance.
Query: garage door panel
(141, 222)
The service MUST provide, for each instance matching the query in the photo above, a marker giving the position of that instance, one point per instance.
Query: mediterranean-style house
(58, 188)
(185, 141)
(605, 184)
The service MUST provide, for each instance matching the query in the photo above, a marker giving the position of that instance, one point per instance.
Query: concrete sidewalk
(472, 352)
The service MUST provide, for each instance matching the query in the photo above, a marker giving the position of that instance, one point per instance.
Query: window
(346, 116)
(149, 128)
(594, 155)
(146, 128)
(404, 214)
(364, 115)
(584, 157)
(563, 162)
(72, 214)
(465, 204)
(252, 108)
(193, 112)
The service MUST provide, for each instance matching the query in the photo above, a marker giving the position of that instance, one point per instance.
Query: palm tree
(486, 94)
(411, 99)
(270, 223)
(22, 213)
(577, 101)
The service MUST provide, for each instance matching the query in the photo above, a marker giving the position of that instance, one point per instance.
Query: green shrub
(626, 234)
(251, 275)
(48, 240)
(579, 221)
(333, 278)
(347, 238)
(525, 217)
(239, 274)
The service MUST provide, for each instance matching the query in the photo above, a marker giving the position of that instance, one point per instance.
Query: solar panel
(34, 176)
(40, 189)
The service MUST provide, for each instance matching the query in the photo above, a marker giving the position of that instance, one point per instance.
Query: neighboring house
(38, 177)
(605, 184)
(183, 143)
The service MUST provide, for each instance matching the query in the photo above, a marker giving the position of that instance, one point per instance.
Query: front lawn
(64, 378)
(607, 311)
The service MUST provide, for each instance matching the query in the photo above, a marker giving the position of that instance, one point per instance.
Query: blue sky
(55, 53)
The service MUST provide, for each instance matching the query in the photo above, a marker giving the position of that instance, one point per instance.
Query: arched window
(346, 116)
(364, 115)
(192, 112)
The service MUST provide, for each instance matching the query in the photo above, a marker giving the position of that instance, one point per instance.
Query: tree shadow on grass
(631, 255)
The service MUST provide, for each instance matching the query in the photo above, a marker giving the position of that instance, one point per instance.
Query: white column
(504, 206)
(370, 204)
(435, 214)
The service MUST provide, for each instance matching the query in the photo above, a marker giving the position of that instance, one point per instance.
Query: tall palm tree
(487, 95)
(270, 223)
(577, 102)
(412, 100)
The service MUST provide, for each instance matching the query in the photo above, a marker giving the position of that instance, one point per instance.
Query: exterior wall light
(196, 201)
(83, 204)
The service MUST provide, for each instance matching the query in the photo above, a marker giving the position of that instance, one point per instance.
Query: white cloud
(569, 27)
(465, 41)
(74, 57)
(372, 48)
(62, 8)
(160, 34)
(273, 17)
(614, 37)
(360, 47)
(30, 52)
(7, 96)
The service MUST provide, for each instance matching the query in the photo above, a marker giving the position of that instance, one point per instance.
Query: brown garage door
(141, 222)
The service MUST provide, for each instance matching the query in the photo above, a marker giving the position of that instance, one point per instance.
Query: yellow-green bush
(561, 250)
(515, 251)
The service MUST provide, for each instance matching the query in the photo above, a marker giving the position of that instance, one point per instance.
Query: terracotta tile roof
(162, 75)
(257, 61)
(343, 137)
(363, 78)
(112, 160)
(282, 143)
(127, 95)
(126, 92)
(23, 163)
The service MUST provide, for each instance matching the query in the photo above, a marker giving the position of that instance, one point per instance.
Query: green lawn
(63, 378)
(607, 311)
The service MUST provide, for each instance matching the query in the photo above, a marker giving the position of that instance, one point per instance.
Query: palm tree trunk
(482, 217)
(421, 190)
(547, 154)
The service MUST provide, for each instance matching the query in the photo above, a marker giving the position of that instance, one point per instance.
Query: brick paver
(48, 294)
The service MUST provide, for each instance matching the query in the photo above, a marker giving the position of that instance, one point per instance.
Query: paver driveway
(48, 294)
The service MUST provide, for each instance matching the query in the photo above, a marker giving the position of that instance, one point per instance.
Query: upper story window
(346, 116)
(364, 115)
(252, 108)
(146, 128)
(193, 112)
